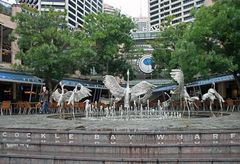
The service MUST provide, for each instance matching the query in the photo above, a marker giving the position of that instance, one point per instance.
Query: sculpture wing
(177, 75)
(67, 95)
(82, 93)
(111, 83)
(56, 95)
(141, 88)
(219, 97)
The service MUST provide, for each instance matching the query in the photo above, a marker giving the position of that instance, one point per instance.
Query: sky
(133, 8)
(9, 1)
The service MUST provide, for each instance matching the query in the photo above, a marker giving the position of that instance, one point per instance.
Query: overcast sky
(134, 8)
(9, 1)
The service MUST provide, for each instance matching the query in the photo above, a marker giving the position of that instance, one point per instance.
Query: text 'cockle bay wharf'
(174, 137)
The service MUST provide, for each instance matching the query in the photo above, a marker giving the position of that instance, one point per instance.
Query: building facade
(109, 9)
(179, 9)
(76, 9)
(142, 23)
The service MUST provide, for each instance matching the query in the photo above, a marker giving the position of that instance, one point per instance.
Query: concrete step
(9, 157)
(121, 137)
(95, 148)
(63, 146)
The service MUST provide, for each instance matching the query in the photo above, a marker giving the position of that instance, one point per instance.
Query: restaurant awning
(20, 78)
(210, 80)
(86, 83)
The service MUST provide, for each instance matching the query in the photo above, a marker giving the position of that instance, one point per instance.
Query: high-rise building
(109, 9)
(76, 9)
(142, 23)
(179, 9)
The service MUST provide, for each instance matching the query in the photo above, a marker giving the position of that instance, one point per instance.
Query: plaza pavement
(37, 121)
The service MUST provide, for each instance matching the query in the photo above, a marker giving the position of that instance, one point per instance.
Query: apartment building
(179, 9)
(76, 9)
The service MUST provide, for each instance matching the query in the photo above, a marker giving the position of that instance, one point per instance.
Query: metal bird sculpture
(181, 90)
(61, 97)
(143, 89)
(212, 94)
(77, 95)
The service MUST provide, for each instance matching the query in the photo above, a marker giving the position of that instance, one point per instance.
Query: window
(72, 4)
(177, 4)
(154, 12)
(155, 17)
(188, 6)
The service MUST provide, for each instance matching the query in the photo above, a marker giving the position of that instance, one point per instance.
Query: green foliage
(109, 36)
(211, 44)
(208, 45)
(47, 47)
(165, 45)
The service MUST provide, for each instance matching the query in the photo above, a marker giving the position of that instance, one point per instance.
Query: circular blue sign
(145, 64)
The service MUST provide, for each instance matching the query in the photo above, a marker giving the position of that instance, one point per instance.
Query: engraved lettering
(113, 137)
(56, 136)
(28, 135)
(70, 136)
(16, 135)
(4, 134)
(112, 143)
(180, 137)
(197, 137)
(215, 136)
(96, 137)
(233, 135)
(43, 135)
(130, 137)
(160, 137)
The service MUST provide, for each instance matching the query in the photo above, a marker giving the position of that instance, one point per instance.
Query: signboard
(145, 64)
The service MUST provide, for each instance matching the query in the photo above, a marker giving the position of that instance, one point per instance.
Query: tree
(165, 45)
(211, 44)
(110, 38)
(48, 48)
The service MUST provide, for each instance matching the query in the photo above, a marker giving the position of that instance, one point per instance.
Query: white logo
(145, 64)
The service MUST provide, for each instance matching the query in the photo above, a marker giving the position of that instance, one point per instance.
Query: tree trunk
(237, 79)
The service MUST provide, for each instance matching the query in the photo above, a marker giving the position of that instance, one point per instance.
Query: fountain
(136, 104)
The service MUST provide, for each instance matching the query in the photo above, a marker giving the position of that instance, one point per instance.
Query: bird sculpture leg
(73, 111)
(220, 102)
(210, 107)
(183, 107)
(186, 102)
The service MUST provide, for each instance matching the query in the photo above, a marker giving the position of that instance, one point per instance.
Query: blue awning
(20, 78)
(198, 82)
(211, 80)
(86, 83)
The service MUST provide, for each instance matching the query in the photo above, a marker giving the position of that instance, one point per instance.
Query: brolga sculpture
(77, 95)
(61, 97)
(211, 95)
(138, 92)
(178, 76)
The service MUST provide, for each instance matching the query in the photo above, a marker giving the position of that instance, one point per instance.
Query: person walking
(44, 95)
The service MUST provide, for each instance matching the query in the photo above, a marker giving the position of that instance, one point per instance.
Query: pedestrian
(44, 95)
